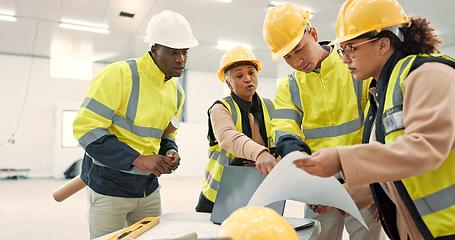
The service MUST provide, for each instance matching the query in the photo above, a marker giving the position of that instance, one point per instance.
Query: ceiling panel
(36, 32)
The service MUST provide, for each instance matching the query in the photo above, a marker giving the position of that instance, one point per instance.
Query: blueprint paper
(287, 182)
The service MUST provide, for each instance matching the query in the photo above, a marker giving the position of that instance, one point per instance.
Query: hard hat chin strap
(307, 28)
(395, 30)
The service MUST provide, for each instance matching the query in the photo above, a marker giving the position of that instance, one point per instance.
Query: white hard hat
(171, 30)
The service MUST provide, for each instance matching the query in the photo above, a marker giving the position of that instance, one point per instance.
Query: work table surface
(173, 225)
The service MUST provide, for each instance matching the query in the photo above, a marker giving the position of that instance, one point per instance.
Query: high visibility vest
(323, 109)
(218, 157)
(132, 101)
(429, 197)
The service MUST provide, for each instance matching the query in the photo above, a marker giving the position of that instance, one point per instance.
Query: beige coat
(429, 120)
(233, 141)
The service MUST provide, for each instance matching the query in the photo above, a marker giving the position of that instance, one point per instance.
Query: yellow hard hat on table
(357, 17)
(284, 26)
(256, 223)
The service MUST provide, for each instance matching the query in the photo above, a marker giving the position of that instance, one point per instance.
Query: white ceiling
(37, 33)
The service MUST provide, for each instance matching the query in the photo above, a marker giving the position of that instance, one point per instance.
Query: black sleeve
(289, 143)
(111, 152)
(166, 144)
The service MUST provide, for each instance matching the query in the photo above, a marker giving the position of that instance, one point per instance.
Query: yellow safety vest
(218, 157)
(323, 109)
(429, 197)
(131, 100)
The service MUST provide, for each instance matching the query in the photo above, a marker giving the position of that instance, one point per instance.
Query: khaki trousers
(107, 214)
(332, 225)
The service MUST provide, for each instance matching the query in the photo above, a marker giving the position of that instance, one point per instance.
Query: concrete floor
(28, 211)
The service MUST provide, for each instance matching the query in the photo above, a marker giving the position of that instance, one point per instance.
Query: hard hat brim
(220, 72)
(377, 29)
(289, 46)
(179, 45)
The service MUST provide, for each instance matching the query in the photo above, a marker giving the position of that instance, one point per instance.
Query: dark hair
(419, 37)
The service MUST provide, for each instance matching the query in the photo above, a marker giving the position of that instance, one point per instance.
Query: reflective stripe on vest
(429, 197)
(322, 132)
(218, 157)
(120, 121)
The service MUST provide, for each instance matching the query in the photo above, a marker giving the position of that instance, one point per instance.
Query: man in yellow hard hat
(318, 105)
(239, 124)
(122, 124)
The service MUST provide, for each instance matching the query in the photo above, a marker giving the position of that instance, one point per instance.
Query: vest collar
(152, 68)
(245, 105)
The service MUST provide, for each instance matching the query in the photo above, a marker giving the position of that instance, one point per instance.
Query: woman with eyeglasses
(410, 127)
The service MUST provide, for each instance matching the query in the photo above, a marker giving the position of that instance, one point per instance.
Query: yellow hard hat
(357, 17)
(256, 223)
(238, 54)
(284, 26)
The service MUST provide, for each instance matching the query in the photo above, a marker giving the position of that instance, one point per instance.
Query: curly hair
(419, 37)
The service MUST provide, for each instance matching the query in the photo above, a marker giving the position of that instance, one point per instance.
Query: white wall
(38, 135)
(450, 51)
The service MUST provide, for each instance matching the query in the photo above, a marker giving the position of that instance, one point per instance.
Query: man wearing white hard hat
(127, 127)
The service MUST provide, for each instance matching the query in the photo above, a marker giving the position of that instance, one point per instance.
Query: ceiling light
(8, 18)
(229, 45)
(273, 4)
(84, 28)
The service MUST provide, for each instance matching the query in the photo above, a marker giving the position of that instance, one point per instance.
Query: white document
(287, 182)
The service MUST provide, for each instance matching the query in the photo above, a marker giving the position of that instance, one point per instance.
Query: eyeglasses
(348, 50)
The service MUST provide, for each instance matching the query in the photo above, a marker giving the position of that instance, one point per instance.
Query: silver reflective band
(269, 106)
(98, 108)
(393, 122)
(393, 117)
(230, 101)
(144, 132)
(333, 131)
(120, 121)
(289, 114)
(397, 98)
(213, 184)
(329, 131)
(221, 157)
(294, 90)
(135, 170)
(92, 136)
(436, 202)
(280, 133)
(134, 95)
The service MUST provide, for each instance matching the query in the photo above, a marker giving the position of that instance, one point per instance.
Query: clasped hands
(158, 164)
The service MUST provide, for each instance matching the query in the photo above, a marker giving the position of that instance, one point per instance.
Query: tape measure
(136, 229)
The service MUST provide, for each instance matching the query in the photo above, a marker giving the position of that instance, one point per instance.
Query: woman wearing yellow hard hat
(410, 127)
(239, 124)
